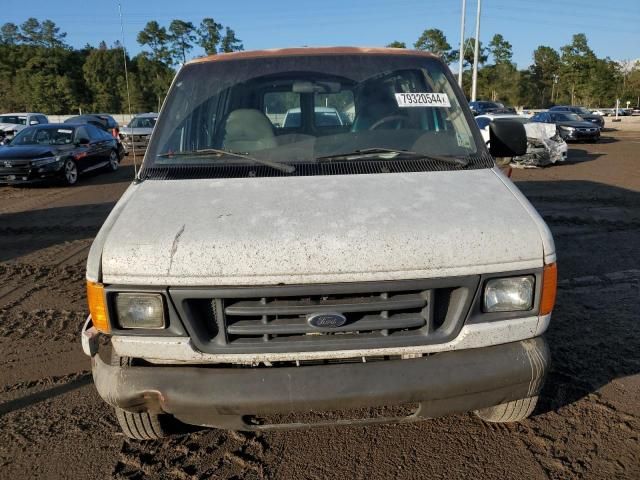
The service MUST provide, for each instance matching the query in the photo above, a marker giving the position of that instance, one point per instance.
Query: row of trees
(40, 72)
(572, 75)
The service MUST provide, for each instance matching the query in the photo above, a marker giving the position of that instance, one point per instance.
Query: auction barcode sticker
(422, 100)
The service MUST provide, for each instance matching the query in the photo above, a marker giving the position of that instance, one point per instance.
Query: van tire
(513, 411)
(142, 425)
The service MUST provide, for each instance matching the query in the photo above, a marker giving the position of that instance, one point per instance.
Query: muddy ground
(587, 425)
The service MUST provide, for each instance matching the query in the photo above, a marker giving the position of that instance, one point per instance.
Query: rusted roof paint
(309, 51)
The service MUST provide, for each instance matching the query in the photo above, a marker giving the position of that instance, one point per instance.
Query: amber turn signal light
(549, 288)
(97, 306)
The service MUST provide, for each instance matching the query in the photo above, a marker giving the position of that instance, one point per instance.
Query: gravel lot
(54, 425)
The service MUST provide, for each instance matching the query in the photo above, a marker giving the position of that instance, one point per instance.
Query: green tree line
(40, 72)
(571, 75)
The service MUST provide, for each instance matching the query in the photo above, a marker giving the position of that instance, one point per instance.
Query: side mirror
(84, 141)
(508, 139)
(34, 122)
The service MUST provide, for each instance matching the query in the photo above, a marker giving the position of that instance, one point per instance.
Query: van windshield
(299, 109)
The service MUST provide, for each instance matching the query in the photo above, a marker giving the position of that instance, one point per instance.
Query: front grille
(15, 167)
(276, 319)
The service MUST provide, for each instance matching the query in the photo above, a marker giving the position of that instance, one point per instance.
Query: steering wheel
(387, 119)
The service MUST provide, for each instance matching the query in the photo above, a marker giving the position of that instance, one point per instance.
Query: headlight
(509, 294)
(44, 161)
(139, 310)
(568, 129)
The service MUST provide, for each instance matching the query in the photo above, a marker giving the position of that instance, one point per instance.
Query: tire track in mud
(579, 220)
(202, 454)
(12, 202)
(56, 265)
(45, 382)
(54, 325)
(43, 230)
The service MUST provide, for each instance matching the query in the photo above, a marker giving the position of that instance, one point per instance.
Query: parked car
(12, 123)
(323, 117)
(104, 122)
(137, 133)
(571, 126)
(544, 145)
(583, 112)
(252, 274)
(621, 112)
(57, 151)
(483, 107)
(603, 112)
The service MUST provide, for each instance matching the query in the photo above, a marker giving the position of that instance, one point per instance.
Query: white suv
(12, 123)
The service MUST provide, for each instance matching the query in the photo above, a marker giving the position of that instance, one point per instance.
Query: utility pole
(461, 51)
(553, 86)
(476, 54)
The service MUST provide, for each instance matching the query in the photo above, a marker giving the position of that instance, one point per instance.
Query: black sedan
(104, 122)
(57, 151)
(484, 107)
(570, 126)
(583, 112)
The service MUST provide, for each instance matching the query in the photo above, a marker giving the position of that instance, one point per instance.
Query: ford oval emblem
(326, 320)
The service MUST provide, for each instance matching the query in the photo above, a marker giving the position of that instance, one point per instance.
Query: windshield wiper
(392, 154)
(216, 153)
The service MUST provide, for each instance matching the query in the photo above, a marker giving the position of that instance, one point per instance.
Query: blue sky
(613, 28)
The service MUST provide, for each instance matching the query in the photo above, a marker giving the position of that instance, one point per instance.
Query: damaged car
(12, 123)
(545, 146)
(135, 136)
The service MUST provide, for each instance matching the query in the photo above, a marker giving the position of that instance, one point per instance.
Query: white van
(254, 274)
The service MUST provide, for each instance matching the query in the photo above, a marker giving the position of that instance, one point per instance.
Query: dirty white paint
(545, 233)
(292, 230)
(180, 349)
(94, 260)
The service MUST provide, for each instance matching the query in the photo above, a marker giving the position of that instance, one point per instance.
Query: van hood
(320, 229)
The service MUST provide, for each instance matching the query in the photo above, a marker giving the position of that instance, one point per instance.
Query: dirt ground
(587, 425)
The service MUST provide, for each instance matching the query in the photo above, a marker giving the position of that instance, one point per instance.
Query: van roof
(309, 51)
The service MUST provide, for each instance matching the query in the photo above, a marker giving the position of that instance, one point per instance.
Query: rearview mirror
(508, 139)
(316, 87)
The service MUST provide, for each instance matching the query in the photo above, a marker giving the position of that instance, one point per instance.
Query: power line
(126, 77)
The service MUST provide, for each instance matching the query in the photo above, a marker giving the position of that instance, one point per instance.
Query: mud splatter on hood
(319, 229)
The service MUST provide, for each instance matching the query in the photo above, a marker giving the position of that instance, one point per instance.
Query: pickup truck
(257, 276)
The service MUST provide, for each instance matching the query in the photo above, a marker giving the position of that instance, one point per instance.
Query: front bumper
(577, 136)
(231, 396)
(137, 144)
(28, 175)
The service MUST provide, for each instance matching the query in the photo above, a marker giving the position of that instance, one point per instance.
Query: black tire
(142, 425)
(114, 161)
(70, 172)
(514, 411)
